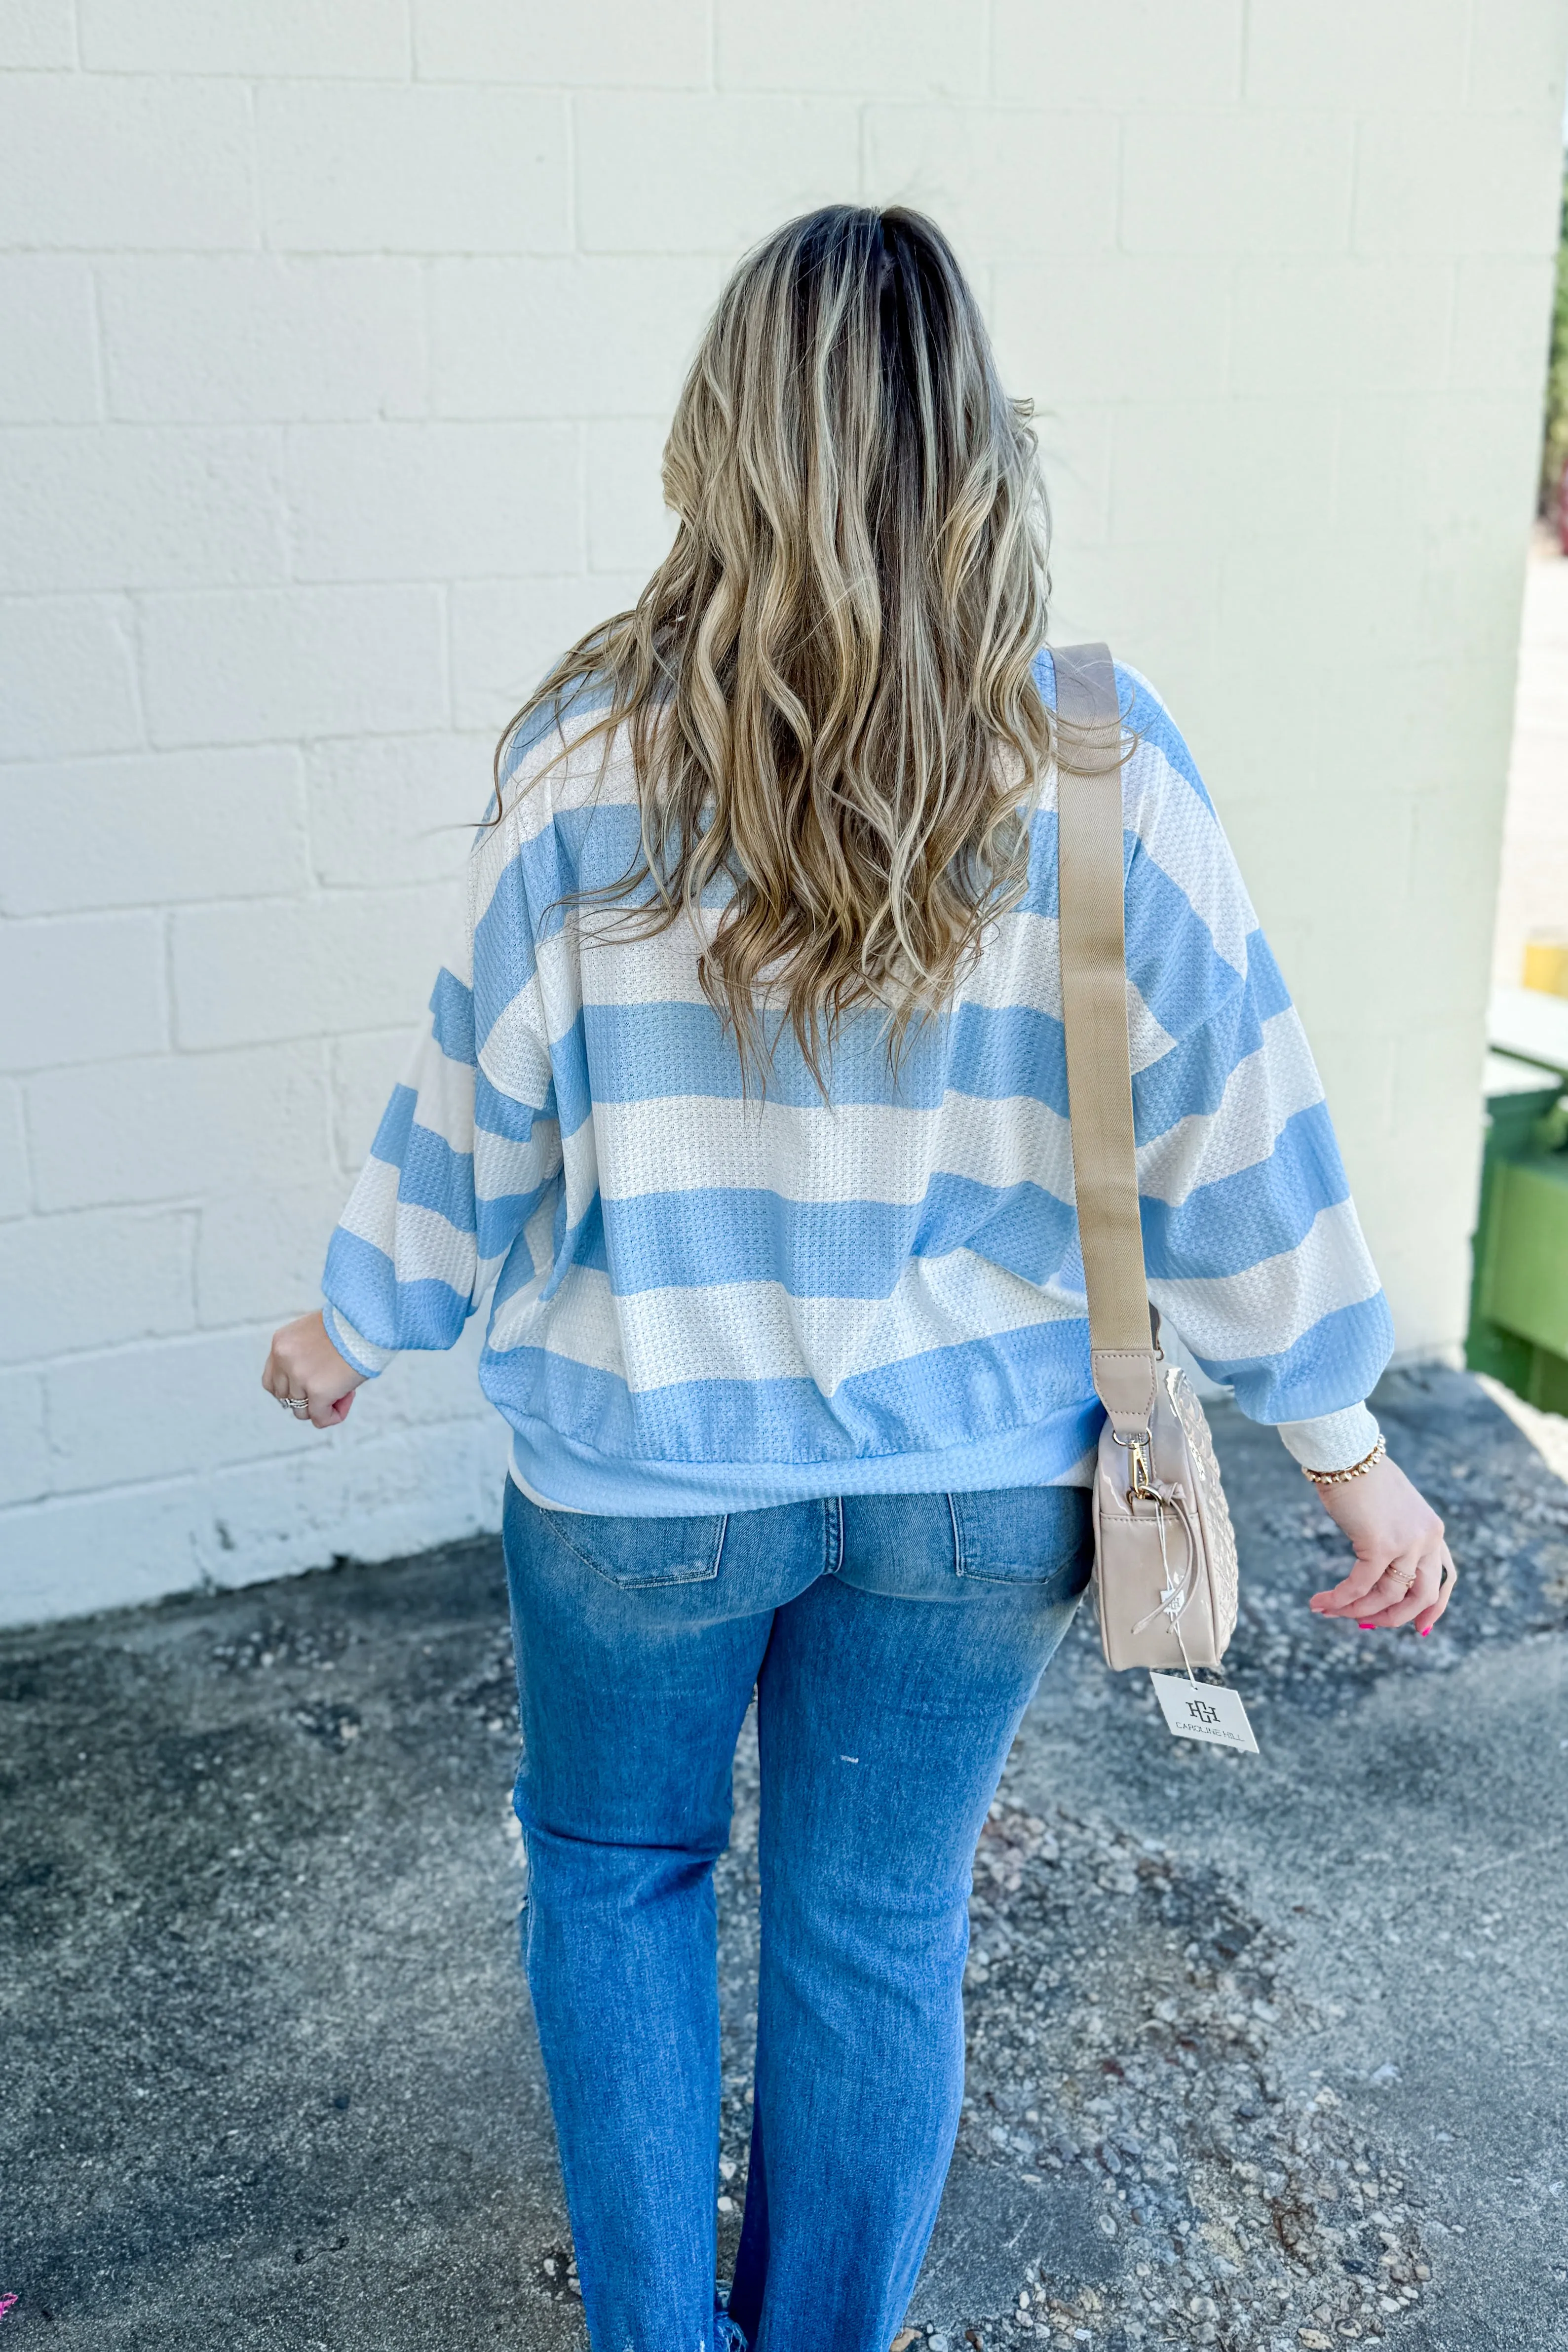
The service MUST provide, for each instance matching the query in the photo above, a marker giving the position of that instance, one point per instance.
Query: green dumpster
(1519, 1296)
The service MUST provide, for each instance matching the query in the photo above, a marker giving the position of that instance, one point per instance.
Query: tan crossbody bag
(1165, 1548)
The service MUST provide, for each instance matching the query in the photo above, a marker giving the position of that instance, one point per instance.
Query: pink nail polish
(1366, 1628)
(1425, 1631)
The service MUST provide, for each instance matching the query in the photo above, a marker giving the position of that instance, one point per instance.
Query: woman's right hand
(305, 1372)
(1404, 1572)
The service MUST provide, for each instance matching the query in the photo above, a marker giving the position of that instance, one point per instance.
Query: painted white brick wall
(336, 350)
(1532, 894)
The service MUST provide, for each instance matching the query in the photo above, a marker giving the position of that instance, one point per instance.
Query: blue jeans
(893, 1642)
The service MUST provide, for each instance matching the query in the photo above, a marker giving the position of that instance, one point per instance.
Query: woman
(747, 1100)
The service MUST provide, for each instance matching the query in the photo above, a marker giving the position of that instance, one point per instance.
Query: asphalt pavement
(1265, 2051)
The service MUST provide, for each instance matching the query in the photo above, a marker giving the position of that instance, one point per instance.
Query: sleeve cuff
(363, 1354)
(1333, 1441)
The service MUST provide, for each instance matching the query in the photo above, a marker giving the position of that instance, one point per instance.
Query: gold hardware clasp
(1140, 1475)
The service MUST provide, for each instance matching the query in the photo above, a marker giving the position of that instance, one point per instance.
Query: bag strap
(1092, 931)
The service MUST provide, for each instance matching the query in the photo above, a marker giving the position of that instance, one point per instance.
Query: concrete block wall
(1532, 894)
(336, 348)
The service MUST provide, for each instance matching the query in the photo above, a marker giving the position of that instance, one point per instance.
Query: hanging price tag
(1203, 1711)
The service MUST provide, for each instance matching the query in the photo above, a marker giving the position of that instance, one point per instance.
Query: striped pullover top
(704, 1302)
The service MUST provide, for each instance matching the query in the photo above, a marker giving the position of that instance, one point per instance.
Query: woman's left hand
(305, 1372)
(1404, 1572)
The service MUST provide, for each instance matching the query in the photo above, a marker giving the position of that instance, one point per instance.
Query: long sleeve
(1253, 1246)
(459, 1167)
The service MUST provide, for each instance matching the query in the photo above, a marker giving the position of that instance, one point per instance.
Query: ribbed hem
(1333, 1441)
(545, 1502)
(352, 1346)
(561, 1474)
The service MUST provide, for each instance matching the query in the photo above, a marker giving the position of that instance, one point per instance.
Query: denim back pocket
(1024, 1535)
(639, 1553)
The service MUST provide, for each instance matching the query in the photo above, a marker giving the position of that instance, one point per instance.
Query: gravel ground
(1154, 2100)
(1264, 2051)
(1126, 2019)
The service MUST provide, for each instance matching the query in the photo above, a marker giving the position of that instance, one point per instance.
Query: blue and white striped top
(704, 1302)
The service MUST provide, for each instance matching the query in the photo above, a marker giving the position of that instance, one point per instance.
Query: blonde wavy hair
(828, 682)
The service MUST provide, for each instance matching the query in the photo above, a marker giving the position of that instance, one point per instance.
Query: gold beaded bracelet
(1357, 1470)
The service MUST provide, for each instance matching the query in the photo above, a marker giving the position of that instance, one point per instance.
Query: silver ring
(295, 1403)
